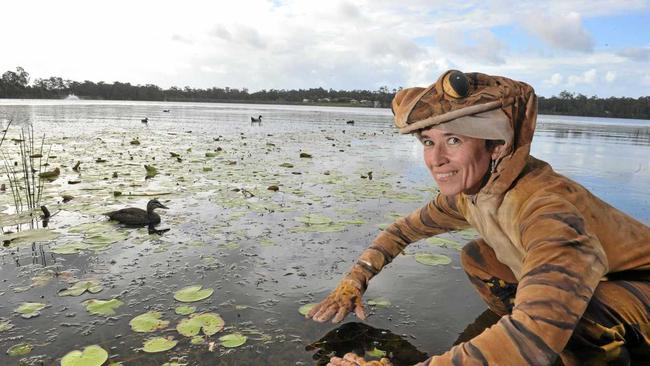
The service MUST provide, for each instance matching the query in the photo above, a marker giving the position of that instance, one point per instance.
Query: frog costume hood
(475, 105)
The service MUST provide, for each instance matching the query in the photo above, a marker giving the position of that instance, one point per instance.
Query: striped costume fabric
(567, 272)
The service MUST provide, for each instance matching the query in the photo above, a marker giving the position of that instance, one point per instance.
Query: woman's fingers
(340, 314)
(337, 361)
(358, 309)
(352, 357)
(326, 313)
(315, 310)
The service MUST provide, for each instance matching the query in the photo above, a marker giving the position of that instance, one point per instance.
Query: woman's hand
(345, 298)
(351, 359)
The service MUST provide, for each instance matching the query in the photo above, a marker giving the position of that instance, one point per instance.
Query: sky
(594, 47)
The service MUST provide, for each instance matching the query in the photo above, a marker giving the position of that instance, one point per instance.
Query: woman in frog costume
(568, 274)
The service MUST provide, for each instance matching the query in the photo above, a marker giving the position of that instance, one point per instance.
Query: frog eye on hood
(455, 84)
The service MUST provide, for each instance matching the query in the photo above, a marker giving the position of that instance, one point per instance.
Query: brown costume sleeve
(563, 264)
(438, 216)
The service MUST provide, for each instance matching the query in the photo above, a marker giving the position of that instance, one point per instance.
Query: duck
(132, 216)
(350, 122)
(256, 120)
(145, 120)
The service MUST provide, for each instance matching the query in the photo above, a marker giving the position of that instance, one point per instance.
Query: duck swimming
(136, 216)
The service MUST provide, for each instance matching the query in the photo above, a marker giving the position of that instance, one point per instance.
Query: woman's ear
(496, 150)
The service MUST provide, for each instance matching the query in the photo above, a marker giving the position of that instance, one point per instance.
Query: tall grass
(24, 175)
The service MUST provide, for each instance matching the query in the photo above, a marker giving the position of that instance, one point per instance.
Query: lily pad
(376, 352)
(28, 237)
(148, 322)
(102, 307)
(304, 310)
(192, 293)
(233, 340)
(468, 234)
(20, 349)
(185, 310)
(5, 325)
(444, 242)
(151, 171)
(92, 286)
(159, 344)
(314, 219)
(69, 248)
(197, 340)
(30, 309)
(92, 355)
(379, 302)
(210, 323)
(430, 259)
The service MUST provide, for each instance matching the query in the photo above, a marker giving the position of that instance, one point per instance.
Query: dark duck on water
(132, 216)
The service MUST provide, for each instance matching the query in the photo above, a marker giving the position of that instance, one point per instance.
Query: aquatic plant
(26, 176)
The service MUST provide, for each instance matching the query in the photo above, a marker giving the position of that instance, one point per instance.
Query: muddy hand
(351, 359)
(345, 298)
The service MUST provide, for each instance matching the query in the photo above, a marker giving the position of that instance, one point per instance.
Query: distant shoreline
(296, 103)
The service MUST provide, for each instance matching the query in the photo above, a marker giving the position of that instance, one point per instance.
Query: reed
(24, 175)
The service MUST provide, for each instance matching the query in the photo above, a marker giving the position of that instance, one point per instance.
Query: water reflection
(361, 338)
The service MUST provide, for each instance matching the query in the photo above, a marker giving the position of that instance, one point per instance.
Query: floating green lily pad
(148, 322)
(20, 349)
(430, 259)
(69, 248)
(197, 340)
(383, 226)
(210, 323)
(321, 228)
(5, 325)
(91, 356)
(26, 237)
(444, 242)
(314, 219)
(376, 352)
(192, 293)
(159, 344)
(468, 234)
(185, 310)
(92, 286)
(102, 307)
(30, 309)
(151, 171)
(233, 340)
(305, 309)
(379, 302)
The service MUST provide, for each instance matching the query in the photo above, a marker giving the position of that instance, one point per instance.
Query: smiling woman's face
(457, 163)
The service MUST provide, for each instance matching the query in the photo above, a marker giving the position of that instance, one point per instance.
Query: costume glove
(345, 298)
(351, 359)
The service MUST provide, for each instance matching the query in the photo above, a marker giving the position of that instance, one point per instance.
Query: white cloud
(587, 77)
(639, 54)
(563, 31)
(610, 76)
(555, 79)
(481, 45)
(341, 44)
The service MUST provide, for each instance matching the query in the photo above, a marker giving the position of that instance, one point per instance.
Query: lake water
(265, 253)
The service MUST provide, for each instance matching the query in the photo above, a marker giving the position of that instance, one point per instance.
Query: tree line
(16, 84)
